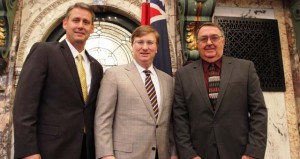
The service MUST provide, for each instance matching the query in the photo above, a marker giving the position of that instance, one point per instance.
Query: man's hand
(247, 157)
(108, 157)
(36, 156)
(198, 157)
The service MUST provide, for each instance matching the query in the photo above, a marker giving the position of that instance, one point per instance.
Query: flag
(153, 13)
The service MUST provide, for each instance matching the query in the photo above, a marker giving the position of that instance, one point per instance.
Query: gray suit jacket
(238, 125)
(125, 125)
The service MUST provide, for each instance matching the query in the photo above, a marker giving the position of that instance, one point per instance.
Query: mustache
(208, 47)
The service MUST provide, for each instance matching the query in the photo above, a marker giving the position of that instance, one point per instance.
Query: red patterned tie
(213, 84)
(151, 92)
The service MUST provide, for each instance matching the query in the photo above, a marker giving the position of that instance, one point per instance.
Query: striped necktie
(82, 77)
(151, 92)
(213, 85)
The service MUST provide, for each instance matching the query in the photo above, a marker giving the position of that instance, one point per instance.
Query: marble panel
(260, 13)
(290, 102)
(294, 55)
(278, 146)
(246, 3)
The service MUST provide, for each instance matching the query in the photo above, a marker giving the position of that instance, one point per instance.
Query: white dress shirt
(154, 79)
(86, 64)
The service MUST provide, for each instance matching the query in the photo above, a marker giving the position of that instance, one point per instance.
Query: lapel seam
(65, 50)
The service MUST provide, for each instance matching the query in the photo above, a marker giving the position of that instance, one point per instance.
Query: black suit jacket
(49, 112)
(238, 125)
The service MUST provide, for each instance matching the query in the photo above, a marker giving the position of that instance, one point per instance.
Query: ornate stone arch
(50, 15)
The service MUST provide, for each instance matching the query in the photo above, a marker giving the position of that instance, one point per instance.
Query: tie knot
(212, 67)
(147, 72)
(79, 56)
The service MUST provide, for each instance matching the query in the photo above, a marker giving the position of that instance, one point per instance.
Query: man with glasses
(219, 110)
(132, 119)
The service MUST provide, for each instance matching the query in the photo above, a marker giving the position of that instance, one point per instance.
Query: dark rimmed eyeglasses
(213, 38)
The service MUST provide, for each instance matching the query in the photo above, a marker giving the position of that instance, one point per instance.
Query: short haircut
(144, 30)
(210, 24)
(80, 5)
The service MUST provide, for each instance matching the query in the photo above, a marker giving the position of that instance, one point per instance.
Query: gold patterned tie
(82, 77)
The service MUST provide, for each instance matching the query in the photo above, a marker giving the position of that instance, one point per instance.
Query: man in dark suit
(218, 115)
(54, 105)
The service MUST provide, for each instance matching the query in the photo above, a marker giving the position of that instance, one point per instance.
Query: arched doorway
(110, 43)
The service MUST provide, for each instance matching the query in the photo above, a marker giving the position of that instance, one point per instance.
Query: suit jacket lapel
(93, 74)
(71, 64)
(227, 67)
(135, 77)
(162, 83)
(198, 78)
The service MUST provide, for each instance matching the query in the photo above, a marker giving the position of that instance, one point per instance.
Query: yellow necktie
(82, 77)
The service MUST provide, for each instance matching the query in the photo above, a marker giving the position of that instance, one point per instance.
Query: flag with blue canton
(153, 13)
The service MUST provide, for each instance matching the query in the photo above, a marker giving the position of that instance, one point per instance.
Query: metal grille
(256, 40)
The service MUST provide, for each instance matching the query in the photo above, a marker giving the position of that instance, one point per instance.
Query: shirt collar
(141, 69)
(205, 64)
(75, 52)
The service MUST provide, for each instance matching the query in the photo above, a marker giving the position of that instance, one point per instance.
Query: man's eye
(149, 43)
(203, 39)
(86, 22)
(214, 38)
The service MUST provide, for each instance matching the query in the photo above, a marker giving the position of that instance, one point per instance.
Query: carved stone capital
(192, 13)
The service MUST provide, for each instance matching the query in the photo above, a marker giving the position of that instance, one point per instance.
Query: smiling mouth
(209, 49)
(79, 33)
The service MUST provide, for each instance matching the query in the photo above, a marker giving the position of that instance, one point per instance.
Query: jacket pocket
(124, 147)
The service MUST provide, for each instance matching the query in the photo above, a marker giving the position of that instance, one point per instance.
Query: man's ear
(64, 23)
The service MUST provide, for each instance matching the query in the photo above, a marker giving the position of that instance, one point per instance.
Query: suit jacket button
(153, 148)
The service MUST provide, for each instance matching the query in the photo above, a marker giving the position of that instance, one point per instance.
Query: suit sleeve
(172, 140)
(104, 116)
(181, 122)
(257, 137)
(26, 104)
(171, 126)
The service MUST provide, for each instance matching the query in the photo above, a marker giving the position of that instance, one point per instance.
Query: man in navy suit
(226, 121)
(52, 118)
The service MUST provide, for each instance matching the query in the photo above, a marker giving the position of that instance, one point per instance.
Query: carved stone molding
(26, 39)
(2, 33)
(33, 25)
(192, 13)
(7, 13)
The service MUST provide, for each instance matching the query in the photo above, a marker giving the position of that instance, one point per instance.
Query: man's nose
(80, 24)
(145, 45)
(209, 41)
